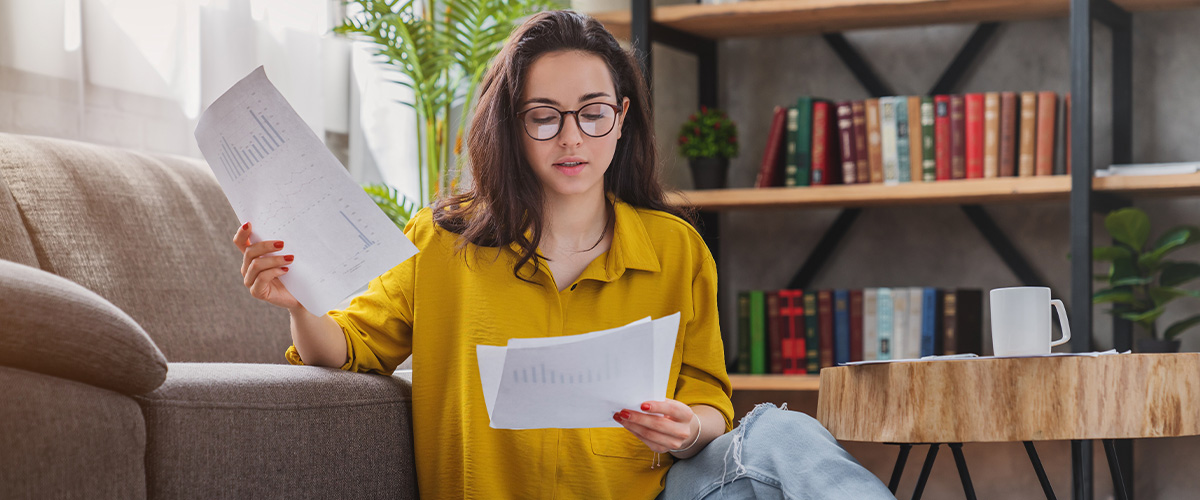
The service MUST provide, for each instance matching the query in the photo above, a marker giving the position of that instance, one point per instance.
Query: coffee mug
(1021, 321)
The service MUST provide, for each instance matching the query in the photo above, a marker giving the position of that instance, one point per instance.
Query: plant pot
(709, 173)
(1155, 345)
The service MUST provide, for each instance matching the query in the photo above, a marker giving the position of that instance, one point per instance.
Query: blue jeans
(773, 453)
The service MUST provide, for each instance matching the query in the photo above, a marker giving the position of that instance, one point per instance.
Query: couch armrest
(238, 430)
(53, 326)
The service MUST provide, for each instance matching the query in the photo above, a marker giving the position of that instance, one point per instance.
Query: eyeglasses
(594, 120)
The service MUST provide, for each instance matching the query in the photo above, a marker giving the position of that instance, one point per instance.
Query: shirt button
(573, 287)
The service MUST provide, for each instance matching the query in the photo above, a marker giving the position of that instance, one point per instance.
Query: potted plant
(1141, 282)
(708, 139)
(441, 50)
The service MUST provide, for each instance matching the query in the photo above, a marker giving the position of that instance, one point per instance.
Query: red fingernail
(246, 225)
(645, 406)
(289, 258)
(617, 417)
(625, 415)
(284, 269)
(278, 244)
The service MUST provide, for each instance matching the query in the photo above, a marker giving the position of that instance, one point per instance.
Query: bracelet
(699, 429)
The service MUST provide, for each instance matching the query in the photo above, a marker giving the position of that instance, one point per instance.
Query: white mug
(1021, 321)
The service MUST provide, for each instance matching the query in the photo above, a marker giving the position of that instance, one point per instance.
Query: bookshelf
(800, 383)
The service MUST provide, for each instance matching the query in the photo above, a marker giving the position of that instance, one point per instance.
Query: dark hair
(507, 198)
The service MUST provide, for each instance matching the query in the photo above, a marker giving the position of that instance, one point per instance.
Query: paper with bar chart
(577, 381)
(282, 179)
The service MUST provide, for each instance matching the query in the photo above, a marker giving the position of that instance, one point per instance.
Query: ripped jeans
(773, 453)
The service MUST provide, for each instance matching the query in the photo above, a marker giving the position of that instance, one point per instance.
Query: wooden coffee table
(1123, 396)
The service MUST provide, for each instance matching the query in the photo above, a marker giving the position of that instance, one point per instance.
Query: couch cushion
(58, 328)
(64, 439)
(225, 430)
(150, 233)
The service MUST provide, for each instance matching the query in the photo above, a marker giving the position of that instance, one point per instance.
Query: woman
(565, 231)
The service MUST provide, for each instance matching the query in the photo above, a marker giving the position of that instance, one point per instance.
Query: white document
(577, 381)
(282, 179)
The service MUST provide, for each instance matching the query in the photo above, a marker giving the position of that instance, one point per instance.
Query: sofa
(135, 364)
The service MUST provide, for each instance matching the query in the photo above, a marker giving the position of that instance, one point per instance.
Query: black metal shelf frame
(1084, 203)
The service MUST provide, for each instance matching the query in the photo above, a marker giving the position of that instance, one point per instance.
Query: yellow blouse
(438, 305)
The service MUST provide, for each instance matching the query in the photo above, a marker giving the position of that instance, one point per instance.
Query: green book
(928, 154)
(758, 333)
(743, 333)
(811, 334)
(799, 172)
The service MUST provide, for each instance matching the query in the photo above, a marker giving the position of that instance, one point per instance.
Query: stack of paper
(577, 381)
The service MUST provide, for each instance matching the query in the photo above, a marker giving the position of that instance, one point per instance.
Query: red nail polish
(278, 244)
(617, 417)
(645, 406)
(289, 258)
(625, 415)
(246, 225)
(284, 268)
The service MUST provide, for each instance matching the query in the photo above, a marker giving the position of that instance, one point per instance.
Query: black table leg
(1041, 473)
(929, 458)
(1114, 468)
(963, 475)
(899, 469)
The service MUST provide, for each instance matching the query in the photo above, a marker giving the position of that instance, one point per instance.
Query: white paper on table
(594, 375)
(953, 357)
(282, 179)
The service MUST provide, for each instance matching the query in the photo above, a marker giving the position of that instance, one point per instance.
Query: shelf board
(791, 17)
(957, 192)
(775, 382)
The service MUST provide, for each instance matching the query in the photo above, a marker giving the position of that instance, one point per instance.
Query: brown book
(991, 134)
(770, 171)
(958, 137)
(915, 163)
(962, 322)
(874, 141)
(1008, 134)
(775, 327)
(825, 320)
(862, 162)
(1047, 103)
(1028, 140)
(845, 125)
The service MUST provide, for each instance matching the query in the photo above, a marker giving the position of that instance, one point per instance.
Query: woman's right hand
(261, 272)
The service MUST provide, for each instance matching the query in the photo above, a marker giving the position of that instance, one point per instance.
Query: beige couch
(135, 364)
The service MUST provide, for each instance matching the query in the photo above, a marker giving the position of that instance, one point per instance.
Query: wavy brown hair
(507, 198)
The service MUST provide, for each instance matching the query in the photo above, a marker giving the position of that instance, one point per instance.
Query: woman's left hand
(675, 428)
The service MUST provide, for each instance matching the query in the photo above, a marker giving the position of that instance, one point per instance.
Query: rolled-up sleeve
(702, 375)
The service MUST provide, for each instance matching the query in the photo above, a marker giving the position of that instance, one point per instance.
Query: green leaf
(1181, 325)
(1144, 316)
(1130, 226)
(1110, 253)
(398, 207)
(1170, 241)
(1178, 273)
(1123, 295)
(1124, 273)
(1166, 294)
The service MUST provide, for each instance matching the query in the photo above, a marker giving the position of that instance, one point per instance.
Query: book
(770, 171)
(826, 162)
(870, 322)
(1008, 134)
(791, 168)
(991, 135)
(812, 355)
(916, 163)
(845, 123)
(903, 156)
(974, 136)
(912, 346)
(931, 325)
(1028, 134)
(958, 143)
(963, 321)
(791, 303)
(1135, 169)
(874, 140)
(885, 311)
(841, 327)
(900, 333)
(743, 332)
(1047, 107)
(887, 140)
(856, 325)
(801, 175)
(861, 151)
(941, 125)
(825, 323)
(928, 154)
(758, 339)
(774, 333)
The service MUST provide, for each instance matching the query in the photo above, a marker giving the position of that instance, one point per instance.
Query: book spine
(900, 331)
(1028, 133)
(1008, 134)
(812, 329)
(861, 151)
(916, 163)
(950, 323)
(845, 123)
(794, 305)
(791, 172)
(768, 171)
(820, 142)
(928, 323)
(874, 140)
(743, 355)
(870, 321)
(915, 323)
(774, 331)
(885, 311)
(903, 156)
(803, 173)
(958, 132)
(887, 135)
(841, 322)
(1046, 116)
(758, 340)
(974, 137)
(942, 132)
(856, 325)
(928, 154)
(825, 313)
(970, 321)
(991, 135)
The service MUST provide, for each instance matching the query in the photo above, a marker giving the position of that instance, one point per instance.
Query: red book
(941, 132)
(974, 131)
(958, 143)
(774, 334)
(861, 162)
(792, 311)
(845, 125)
(825, 320)
(770, 172)
(856, 325)
(825, 160)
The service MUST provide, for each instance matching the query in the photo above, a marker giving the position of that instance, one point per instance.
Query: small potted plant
(1141, 282)
(708, 139)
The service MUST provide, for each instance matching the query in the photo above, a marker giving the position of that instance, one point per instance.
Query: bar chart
(239, 157)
